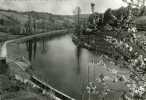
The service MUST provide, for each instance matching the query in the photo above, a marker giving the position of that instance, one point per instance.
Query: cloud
(58, 6)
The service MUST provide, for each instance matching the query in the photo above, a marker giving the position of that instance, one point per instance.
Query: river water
(64, 66)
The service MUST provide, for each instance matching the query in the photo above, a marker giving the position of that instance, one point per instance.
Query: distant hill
(14, 22)
(32, 22)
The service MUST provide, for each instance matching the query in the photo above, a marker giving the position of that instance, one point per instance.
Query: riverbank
(12, 88)
(17, 84)
(17, 72)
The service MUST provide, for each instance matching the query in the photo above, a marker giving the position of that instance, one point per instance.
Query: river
(64, 66)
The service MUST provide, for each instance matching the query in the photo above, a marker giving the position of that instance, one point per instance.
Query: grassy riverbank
(16, 85)
(12, 89)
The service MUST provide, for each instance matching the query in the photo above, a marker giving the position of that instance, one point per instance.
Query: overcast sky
(59, 6)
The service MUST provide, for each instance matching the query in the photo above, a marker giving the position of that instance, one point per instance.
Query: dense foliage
(116, 39)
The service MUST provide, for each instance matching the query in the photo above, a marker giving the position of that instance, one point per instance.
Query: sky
(64, 7)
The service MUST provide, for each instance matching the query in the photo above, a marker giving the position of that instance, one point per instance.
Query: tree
(124, 50)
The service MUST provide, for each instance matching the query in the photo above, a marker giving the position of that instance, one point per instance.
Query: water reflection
(63, 65)
(29, 49)
(59, 65)
(78, 54)
(34, 48)
(44, 46)
(31, 46)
